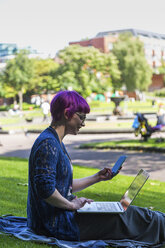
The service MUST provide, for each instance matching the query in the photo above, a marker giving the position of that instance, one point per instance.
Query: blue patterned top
(50, 169)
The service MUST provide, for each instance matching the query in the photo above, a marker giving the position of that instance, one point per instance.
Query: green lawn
(13, 192)
(127, 106)
(125, 144)
(97, 107)
(17, 122)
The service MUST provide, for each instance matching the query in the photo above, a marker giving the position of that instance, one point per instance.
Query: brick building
(157, 82)
(154, 48)
(154, 43)
(104, 44)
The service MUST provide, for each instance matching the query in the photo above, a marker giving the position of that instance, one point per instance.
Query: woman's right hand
(78, 203)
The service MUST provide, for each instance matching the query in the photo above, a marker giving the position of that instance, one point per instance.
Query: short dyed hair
(69, 100)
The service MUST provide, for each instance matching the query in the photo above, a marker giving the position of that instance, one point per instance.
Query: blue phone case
(118, 164)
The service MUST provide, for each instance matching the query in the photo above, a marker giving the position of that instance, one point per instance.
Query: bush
(4, 108)
(160, 93)
(25, 106)
(28, 106)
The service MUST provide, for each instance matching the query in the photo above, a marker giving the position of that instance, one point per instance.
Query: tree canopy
(135, 71)
(161, 69)
(17, 75)
(86, 70)
(43, 80)
(23, 74)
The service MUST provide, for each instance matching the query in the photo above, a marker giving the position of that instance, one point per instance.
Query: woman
(51, 206)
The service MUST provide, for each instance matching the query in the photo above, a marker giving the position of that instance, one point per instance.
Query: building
(104, 44)
(154, 48)
(154, 43)
(7, 51)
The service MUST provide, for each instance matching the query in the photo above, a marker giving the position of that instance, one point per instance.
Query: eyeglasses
(81, 116)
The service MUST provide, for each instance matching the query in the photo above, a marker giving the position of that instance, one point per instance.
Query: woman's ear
(66, 114)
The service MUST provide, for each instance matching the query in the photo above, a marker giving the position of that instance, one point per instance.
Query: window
(110, 46)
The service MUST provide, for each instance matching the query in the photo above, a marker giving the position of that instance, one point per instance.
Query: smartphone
(118, 165)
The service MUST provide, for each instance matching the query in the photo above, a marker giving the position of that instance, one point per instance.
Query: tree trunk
(20, 95)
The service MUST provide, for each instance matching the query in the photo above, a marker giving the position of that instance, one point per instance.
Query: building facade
(154, 43)
(7, 51)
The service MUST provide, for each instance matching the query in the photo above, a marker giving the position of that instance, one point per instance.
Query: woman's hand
(57, 200)
(82, 183)
(78, 203)
(105, 174)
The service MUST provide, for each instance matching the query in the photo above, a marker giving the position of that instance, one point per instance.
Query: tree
(17, 74)
(43, 80)
(2, 90)
(135, 71)
(86, 69)
(161, 69)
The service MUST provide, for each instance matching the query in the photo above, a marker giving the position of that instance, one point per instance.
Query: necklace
(65, 152)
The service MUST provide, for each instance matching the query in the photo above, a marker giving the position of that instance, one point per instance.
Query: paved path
(18, 145)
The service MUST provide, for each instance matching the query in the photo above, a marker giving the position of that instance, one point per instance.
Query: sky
(49, 25)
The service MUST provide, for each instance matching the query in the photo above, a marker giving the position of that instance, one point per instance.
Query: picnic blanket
(17, 226)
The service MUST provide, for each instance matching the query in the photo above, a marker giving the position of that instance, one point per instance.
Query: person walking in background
(161, 115)
(45, 110)
(0, 129)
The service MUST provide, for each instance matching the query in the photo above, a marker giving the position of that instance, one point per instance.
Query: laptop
(123, 204)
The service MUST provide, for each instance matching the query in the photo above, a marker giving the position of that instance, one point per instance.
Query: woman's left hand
(105, 174)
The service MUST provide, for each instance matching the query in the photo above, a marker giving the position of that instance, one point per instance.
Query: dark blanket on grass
(17, 226)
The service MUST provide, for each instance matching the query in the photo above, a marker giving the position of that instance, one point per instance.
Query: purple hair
(69, 100)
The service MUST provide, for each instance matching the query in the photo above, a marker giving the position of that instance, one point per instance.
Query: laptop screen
(134, 188)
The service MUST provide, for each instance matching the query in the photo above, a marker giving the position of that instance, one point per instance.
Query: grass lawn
(17, 122)
(125, 144)
(13, 191)
(110, 125)
(89, 125)
(127, 106)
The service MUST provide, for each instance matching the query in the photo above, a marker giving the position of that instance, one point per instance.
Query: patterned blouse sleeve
(45, 163)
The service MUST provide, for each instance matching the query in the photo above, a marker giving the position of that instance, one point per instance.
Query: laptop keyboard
(107, 207)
